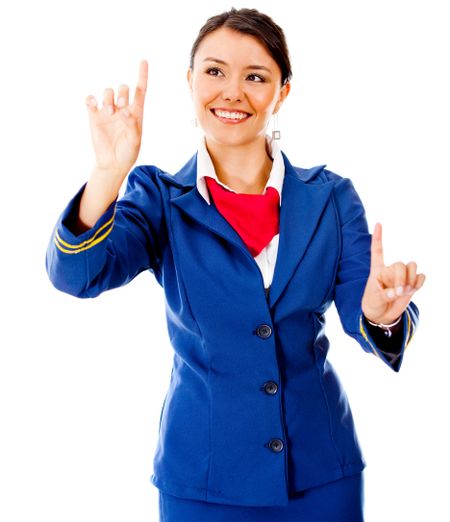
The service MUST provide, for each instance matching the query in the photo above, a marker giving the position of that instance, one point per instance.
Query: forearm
(100, 191)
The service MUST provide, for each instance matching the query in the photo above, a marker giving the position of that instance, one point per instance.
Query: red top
(255, 217)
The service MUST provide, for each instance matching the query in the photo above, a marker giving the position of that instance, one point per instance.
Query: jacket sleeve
(352, 274)
(126, 240)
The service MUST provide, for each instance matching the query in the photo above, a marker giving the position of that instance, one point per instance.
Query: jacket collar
(303, 203)
(205, 167)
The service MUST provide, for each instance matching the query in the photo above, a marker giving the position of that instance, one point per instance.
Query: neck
(244, 168)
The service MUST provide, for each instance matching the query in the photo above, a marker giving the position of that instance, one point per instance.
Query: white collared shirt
(267, 257)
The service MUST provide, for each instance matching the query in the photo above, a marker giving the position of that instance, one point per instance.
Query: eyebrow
(254, 67)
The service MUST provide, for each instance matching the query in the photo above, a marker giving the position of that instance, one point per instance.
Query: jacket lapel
(302, 204)
(190, 201)
(301, 209)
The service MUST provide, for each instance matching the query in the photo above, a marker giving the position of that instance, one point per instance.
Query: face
(236, 87)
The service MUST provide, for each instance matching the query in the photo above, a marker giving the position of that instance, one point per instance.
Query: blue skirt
(338, 501)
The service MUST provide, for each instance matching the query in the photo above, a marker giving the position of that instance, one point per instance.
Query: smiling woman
(236, 87)
(251, 252)
(239, 77)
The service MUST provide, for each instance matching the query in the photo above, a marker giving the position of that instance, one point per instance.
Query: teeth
(231, 115)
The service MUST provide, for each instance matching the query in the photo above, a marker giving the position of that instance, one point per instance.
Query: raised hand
(116, 128)
(388, 289)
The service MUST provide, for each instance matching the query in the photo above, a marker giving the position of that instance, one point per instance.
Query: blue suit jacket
(254, 410)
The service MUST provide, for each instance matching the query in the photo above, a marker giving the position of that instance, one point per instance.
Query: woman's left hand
(389, 288)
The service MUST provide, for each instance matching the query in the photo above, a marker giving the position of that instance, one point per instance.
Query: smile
(230, 116)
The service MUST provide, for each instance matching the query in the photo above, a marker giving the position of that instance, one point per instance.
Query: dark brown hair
(254, 23)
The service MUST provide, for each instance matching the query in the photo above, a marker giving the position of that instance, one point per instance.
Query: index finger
(376, 249)
(141, 87)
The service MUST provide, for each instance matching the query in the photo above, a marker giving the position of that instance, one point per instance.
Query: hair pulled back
(254, 23)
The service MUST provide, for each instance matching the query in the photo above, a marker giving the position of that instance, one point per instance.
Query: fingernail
(390, 293)
(399, 290)
(121, 101)
(409, 289)
(110, 109)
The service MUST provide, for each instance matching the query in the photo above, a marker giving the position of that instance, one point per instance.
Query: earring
(276, 134)
(194, 122)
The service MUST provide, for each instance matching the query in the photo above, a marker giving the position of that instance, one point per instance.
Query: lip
(230, 120)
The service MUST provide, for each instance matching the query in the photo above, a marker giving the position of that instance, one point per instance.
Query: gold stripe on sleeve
(80, 245)
(362, 330)
(409, 333)
(85, 245)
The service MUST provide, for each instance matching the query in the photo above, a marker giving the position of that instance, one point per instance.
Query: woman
(251, 252)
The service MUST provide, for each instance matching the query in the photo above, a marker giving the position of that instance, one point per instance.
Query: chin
(233, 139)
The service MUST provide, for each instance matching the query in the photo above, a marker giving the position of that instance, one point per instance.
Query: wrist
(383, 325)
(107, 181)
(108, 175)
(388, 329)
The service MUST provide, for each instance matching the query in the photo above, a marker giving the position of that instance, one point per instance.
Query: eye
(214, 71)
(255, 78)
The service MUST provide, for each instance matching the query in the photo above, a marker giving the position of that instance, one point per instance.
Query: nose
(232, 90)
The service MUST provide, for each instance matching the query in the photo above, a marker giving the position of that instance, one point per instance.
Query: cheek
(203, 92)
(264, 102)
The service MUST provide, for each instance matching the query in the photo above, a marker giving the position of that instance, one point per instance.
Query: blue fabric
(220, 419)
(339, 501)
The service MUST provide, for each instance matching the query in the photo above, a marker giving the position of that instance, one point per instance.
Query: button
(276, 445)
(264, 331)
(270, 387)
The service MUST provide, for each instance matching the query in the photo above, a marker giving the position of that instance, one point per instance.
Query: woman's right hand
(116, 129)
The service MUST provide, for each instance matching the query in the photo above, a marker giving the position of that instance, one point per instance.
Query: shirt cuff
(389, 349)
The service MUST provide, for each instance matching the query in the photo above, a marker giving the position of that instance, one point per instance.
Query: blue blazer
(253, 410)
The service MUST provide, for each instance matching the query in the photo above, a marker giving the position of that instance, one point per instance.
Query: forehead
(234, 47)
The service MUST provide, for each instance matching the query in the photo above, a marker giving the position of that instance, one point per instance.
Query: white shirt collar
(205, 167)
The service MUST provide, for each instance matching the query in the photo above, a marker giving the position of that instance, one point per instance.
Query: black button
(264, 331)
(276, 445)
(271, 387)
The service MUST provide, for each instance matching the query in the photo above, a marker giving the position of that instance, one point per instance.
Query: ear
(285, 90)
(189, 78)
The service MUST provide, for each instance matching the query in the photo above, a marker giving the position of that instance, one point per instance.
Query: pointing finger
(376, 251)
(141, 87)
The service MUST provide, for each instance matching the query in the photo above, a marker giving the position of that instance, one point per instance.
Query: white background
(82, 381)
